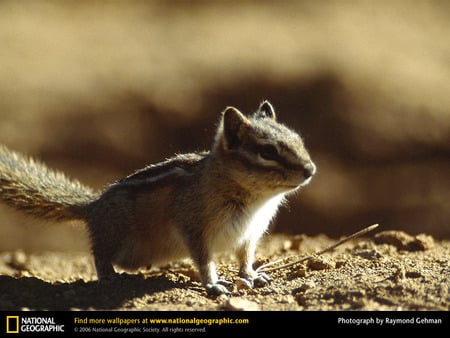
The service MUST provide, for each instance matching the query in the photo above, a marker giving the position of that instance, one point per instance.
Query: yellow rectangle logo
(12, 324)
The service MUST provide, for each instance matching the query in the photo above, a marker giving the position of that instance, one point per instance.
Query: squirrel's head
(261, 153)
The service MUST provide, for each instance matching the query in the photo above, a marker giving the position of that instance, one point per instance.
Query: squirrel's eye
(268, 152)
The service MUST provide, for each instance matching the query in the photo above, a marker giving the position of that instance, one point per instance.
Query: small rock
(423, 242)
(399, 239)
(17, 260)
(320, 263)
(297, 241)
(222, 298)
(340, 264)
(306, 286)
(370, 254)
(287, 245)
(243, 284)
(399, 273)
(302, 299)
(240, 304)
(259, 262)
(403, 241)
(356, 293)
(182, 278)
(413, 274)
(296, 273)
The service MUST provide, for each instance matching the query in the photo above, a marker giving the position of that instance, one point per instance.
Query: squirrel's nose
(309, 170)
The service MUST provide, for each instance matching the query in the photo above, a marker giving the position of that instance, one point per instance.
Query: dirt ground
(388, 270)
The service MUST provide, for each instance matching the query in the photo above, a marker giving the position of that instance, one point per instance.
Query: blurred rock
(404, 241)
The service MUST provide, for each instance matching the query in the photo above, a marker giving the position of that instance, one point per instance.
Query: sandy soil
(389, 270)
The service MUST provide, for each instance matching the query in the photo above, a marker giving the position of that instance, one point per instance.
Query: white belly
(249, 226)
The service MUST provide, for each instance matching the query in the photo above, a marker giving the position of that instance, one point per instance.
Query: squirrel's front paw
(218, 288)
(260, 280)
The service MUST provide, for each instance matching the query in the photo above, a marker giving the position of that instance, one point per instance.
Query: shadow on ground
(36, 294)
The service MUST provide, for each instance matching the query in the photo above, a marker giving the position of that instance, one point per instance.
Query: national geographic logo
(18, 324)
(12, 324)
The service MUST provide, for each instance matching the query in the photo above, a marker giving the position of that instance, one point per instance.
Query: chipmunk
(193, 204)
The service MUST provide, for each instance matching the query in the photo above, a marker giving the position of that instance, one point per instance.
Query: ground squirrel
(190, 205)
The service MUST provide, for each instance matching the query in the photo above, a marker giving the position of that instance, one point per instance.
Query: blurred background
(98, 89)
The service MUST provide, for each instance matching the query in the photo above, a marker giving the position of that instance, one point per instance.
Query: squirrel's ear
(233, 122)
(266, 110)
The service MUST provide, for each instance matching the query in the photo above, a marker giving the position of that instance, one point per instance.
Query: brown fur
(191, 205)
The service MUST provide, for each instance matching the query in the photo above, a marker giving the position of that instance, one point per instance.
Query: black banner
(204, 324)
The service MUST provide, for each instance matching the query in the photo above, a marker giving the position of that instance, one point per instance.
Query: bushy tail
(30, 186)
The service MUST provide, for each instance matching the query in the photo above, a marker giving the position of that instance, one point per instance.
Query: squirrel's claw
(258, 281)
(217, 289)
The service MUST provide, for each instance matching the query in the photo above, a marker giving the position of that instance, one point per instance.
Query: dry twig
(264, 267)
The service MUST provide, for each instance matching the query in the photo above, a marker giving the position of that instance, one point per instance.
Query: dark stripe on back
(186, 162)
